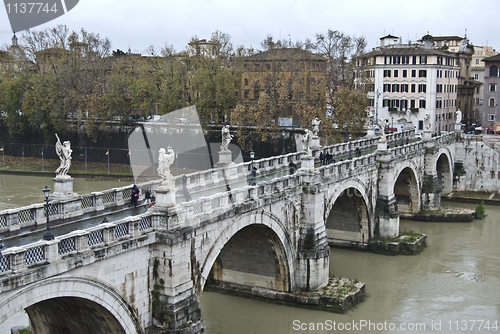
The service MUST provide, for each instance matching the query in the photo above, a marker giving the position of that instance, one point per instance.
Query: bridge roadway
(144, 273)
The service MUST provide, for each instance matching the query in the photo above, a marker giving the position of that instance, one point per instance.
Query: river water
(453, 286)
(21, 190)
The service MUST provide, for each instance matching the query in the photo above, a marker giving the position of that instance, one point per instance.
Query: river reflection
(456, 278)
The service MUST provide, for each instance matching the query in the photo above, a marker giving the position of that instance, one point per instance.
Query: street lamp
(350, 155)
(283, 152)
(48, 235)
(252, 155)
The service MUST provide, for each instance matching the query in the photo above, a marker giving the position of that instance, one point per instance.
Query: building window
(414, 60)
(491, 102)
(493, 71)
(404, 105)
(387, 73)
(371, 102)
(387, 60)
(413, 88)
(412, 104)
(396, 60)
(387, 88)
(493, 87)
(439, 88)
(422, 88)
(477, 61)
(396, 73)
(423, 59)
(405, 73)
(268, 66)
(404, 88)
(385, 103)
(420, 125)
(491, 117)
(413, 73)
(245, 94)
(405, 59)
(395, 103)
(422, 74)
(421, 104)
(246, 82)
(395, 88)
(476, 76)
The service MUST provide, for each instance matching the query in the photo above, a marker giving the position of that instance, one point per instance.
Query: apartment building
(411, 81)
(489, 109)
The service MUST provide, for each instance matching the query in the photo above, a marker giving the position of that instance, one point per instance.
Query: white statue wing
(59, 150)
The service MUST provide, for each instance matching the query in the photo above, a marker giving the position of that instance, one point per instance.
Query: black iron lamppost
(350, 154)
(48, 235)
(283, 152)
(252, 155)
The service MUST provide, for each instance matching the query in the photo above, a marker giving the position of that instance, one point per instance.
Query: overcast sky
(139, 24)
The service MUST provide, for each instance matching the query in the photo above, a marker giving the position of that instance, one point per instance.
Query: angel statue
(64, 152)
(226, 138)
(427, 121)
(165, 159)
(315, 126)
(307, 139)
(458, 115)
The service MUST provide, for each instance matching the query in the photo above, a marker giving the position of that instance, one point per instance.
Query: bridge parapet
(15, 259)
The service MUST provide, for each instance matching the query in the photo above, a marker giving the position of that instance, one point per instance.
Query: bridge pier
(431, 187)
(313, 253)
(175, 305)
(386, 210)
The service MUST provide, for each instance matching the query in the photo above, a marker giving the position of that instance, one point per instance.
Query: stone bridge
(144, 274)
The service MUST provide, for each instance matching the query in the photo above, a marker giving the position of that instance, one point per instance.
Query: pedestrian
(228, 188)
(292, 167)
(407, 140)
(184, 181)
(105, 220)
(321, 158)
(134, 197)
(254, 172)
(328, 158)
(147, 197)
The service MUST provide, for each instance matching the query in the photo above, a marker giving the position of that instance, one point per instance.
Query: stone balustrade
(14, 219)
(44, 251)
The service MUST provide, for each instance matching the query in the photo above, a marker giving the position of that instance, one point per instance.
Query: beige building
(489, 109)
(412, 81)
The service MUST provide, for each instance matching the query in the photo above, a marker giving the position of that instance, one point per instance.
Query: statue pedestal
(409, 126)
(427, 134)
(382, 145)
(165, 197)
(458, 127)
(63, 187)
(370, 132)
(225, 158)
(307, 162)
(315, 143)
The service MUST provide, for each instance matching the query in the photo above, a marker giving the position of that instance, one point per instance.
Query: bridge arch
(407, 188)
(348, 213)
(47, 299)
(444, 168)
(274, 251)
